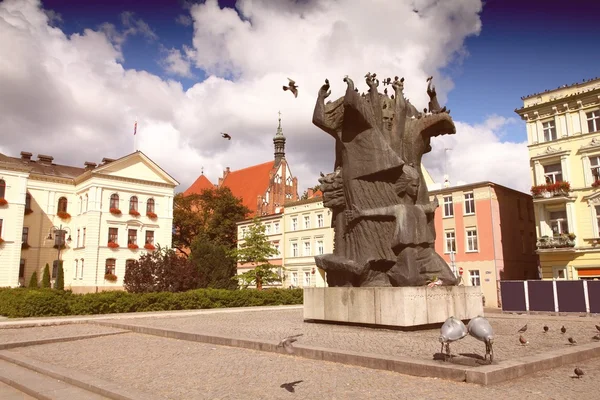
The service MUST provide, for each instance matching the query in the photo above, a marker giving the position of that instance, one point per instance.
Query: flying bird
(572, 341)
(225, 135)
(579, 372)
(523, 340)
(290, 386)
(291, 87)
(563, 329)
(286, 343)
(598, 328)
(523, 329)
(546, 328)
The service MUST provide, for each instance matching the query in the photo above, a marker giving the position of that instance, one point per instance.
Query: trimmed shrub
(33, 282)
(46, 277)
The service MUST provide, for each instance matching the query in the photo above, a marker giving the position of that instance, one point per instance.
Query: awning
(589, 272)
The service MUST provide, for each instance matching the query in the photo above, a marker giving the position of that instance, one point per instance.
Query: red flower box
(115, 211)
(135, 213)
(149, 246)
(28, 211)
(63, 215)
(133, 246)
(110, 277)
(596, 183)
(3, 202)
(113, 245)
(151, 215)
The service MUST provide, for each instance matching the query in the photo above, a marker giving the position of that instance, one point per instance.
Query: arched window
(110, 266)
(133, 203)
(62, 204)
(114, 201)
(27, 201)
(2, 188)
(150, 206)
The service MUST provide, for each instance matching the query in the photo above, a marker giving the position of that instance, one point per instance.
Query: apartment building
(563, 134)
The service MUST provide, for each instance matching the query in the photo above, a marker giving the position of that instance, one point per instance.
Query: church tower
(279, 143)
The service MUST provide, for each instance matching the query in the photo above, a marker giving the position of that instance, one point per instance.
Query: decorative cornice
(594, 144)
(550, 152)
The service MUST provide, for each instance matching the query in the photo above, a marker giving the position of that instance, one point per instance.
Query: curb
(12, 345)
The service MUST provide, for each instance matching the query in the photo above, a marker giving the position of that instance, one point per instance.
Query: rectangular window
(243, 233)
(76, 269)
(295, 279)
(294, 224)
(475, 277)
(81, 270)
(448, 206)
(77, 243)
(306, 249)
(553, 173)
(22, 268)
(306, 278)
(268, 229)
(294, 249)
(320, 220)
(149, 237)
(276, 226)
(113, 235)
(276, 247)
(83, 239)
(320, 247)
(595, 167)
(25, 235)
(472, 239)
(559, 273)
(598, 219)
(549, 131)
(27, 201)
(469, 203)
(306, 222)
(450, 241)
(110, 266)
(558, 222)
(132, 236)
(593, 120)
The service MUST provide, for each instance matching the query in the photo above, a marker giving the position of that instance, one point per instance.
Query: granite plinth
(392, 307)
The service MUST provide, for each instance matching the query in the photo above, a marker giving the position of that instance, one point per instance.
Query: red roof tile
(318, 193)
(199, 185)
(249, 183)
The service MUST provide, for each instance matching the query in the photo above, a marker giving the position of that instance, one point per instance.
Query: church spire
(279, 142)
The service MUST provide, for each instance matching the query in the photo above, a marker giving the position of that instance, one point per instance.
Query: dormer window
(549, 129)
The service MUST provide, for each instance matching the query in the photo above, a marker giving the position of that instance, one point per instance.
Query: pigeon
(597, 337)
(563, 329)
(523, 329)
(523, 340)
(286, 343)
(546, 328)
(598, 328)
(579, 372)
(226, 135)
(290, 386)
(572, 341)
(292, 87)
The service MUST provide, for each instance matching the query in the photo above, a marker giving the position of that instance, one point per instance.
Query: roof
(51, 169)
(201, 184)
(305, 201)
(249, 183)
(582, 83)
(468, 186)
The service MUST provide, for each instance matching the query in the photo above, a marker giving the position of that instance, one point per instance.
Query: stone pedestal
(392, 307)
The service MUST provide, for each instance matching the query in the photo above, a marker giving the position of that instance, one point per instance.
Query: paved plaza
(153, 367)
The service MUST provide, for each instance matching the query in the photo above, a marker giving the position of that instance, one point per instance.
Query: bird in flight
(225, 135)
(286, 343)
(291, 87)
(290, 386)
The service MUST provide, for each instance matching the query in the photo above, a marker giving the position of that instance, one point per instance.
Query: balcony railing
(551, 189)
(556, 242)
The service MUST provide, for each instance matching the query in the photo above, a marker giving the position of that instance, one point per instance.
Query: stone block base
(392, 307)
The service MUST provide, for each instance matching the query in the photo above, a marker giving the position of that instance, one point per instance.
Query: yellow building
(563, 132)
(94, 218)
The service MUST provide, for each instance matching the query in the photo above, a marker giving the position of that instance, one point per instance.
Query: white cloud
(70, 97)
(184, 20)
(178, 63)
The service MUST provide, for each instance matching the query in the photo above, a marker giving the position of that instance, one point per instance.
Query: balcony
(551, 192)
(562, 241)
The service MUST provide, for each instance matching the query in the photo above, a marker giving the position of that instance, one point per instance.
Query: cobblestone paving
(175, 369)
(274, 325)
(10, 393)
(46, 332)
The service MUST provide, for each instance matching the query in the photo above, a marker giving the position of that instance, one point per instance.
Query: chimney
(44, 159)
(310, 193)
(89, 165)
(26, 156)
(106, 160)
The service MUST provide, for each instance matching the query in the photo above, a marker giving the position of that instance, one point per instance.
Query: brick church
(263, 188)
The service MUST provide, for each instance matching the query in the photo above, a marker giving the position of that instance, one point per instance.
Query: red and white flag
(135, 128)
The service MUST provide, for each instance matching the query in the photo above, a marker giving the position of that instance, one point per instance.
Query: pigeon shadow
(472, 355)
(290, 386)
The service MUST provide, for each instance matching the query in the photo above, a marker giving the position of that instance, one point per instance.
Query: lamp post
(59, 233)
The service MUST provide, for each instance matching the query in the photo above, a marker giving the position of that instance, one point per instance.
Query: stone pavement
(10, 393)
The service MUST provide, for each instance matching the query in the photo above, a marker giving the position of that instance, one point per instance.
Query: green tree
(256, 251)
(33, 282)
(216, 264)
(213, 213)
(46, 277)
(59, 283)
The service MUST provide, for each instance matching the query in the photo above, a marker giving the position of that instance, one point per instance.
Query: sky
(76, 75)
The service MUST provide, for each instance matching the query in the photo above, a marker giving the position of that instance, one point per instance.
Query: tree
(33, 282)
(161, 271)
(256, 251)
(46, 277)
(213, 212)
(216, 264)
(59, 283)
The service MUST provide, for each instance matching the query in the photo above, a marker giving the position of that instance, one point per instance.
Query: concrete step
(38, 386)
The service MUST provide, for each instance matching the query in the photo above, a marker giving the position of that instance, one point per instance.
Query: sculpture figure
(481, 329)
(452, 330)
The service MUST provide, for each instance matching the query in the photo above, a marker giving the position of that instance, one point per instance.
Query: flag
(135, 128)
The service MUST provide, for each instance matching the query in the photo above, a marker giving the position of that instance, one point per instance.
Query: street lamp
(59, 233)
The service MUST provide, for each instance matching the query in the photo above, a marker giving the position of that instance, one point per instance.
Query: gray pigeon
(523, 329)
(579, 372)
(572, 341)
(286, 343)
(597, 337)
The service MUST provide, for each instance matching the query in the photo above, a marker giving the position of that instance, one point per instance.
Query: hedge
(24, 302)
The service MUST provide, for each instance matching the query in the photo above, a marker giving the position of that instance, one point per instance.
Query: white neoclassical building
(95, 218)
